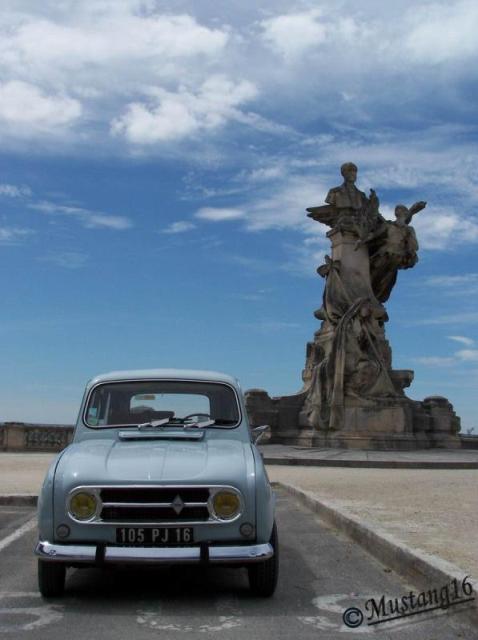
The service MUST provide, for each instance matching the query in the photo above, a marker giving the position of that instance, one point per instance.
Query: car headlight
(226, 504)
(83, 505)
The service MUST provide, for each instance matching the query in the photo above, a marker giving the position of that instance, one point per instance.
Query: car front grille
(153, 514)
(154, 494)
(154, 504)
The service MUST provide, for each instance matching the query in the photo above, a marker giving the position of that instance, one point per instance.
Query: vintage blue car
(162, 470)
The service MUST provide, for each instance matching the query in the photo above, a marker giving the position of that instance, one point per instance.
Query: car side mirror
(258, 432)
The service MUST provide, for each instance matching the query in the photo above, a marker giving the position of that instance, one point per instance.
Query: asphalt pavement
(322, 575)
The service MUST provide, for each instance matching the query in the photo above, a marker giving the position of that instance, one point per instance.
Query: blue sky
(156, 160)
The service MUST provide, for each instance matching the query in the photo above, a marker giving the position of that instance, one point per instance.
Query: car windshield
(142, 402)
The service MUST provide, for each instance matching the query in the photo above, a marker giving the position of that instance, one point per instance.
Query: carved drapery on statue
(349, 363)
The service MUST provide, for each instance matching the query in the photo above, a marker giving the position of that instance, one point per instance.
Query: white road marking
(332, 607)
(29, 618)
(216, 624)
(28, 526)
(153, 620)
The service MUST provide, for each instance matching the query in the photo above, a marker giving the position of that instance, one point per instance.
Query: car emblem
(177, 504)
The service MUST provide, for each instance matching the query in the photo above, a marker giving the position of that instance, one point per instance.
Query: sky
(156, 160)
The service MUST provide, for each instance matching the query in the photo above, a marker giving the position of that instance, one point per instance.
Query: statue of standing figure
(350, 358)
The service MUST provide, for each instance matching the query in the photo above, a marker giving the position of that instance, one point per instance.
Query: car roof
(164, 374)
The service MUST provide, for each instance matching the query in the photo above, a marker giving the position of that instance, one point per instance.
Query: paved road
(322, 574)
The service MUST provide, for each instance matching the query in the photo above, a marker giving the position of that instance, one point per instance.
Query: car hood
(100, 462)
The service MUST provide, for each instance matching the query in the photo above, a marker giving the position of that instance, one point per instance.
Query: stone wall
(20, 436)
(469, 442)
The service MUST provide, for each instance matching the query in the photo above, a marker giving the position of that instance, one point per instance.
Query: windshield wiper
(153, 424)
(199, 424)
(176, 422)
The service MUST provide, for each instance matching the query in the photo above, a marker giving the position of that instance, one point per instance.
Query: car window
(132, 403)
(180, 404)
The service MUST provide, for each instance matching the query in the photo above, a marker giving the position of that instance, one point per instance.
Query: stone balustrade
(20, 436)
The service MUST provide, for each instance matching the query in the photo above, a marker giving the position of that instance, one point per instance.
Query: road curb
(18, 500)
(421, 567)
(368, 464)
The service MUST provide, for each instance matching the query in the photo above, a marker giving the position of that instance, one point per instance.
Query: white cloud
(218, 214)
(183, 113)
(14, 191)
(181, 226)
(89, 219)
(443, 31)
(453, 281)
(112, 37)
(264, 174)
(444, 229)
(304, 258)
(461, 357)
(24, 105)
(436, 361)
(464, 317)
(97, 59)
(66, 259)
(468, 355)
(143, 72)
(463, 340)
(13, 235)
(257, 296)
(292, 34)
(281, 205)
(92, 220)
(92, 64)
(267, 326)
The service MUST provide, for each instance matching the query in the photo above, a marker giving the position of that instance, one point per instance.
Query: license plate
(154, 536)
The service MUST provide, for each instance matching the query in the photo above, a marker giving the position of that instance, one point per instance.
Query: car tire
(263, 575)
(51, 578)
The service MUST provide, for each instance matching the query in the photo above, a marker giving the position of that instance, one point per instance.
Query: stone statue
(392, 246)
(347, 199)
(350, 388)
(356, 364)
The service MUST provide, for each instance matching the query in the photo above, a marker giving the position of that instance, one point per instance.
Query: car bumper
(99, 554)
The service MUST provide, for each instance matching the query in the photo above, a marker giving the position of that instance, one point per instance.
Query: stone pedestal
(401, 425)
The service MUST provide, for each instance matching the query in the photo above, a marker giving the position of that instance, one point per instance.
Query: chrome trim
(118, 426)
(152, 523)
(161, 505)
(177, 555)
(96, 490)
(64, 552)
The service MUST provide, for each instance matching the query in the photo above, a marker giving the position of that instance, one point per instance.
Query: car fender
(265, 499)
(45, 501)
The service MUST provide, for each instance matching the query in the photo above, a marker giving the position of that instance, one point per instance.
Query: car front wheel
(263, 575)
(51, 578)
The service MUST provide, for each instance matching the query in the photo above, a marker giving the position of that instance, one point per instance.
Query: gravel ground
(23, 472)
(432, 510)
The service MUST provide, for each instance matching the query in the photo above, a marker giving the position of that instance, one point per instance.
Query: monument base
(398, 424)
(383, 441)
